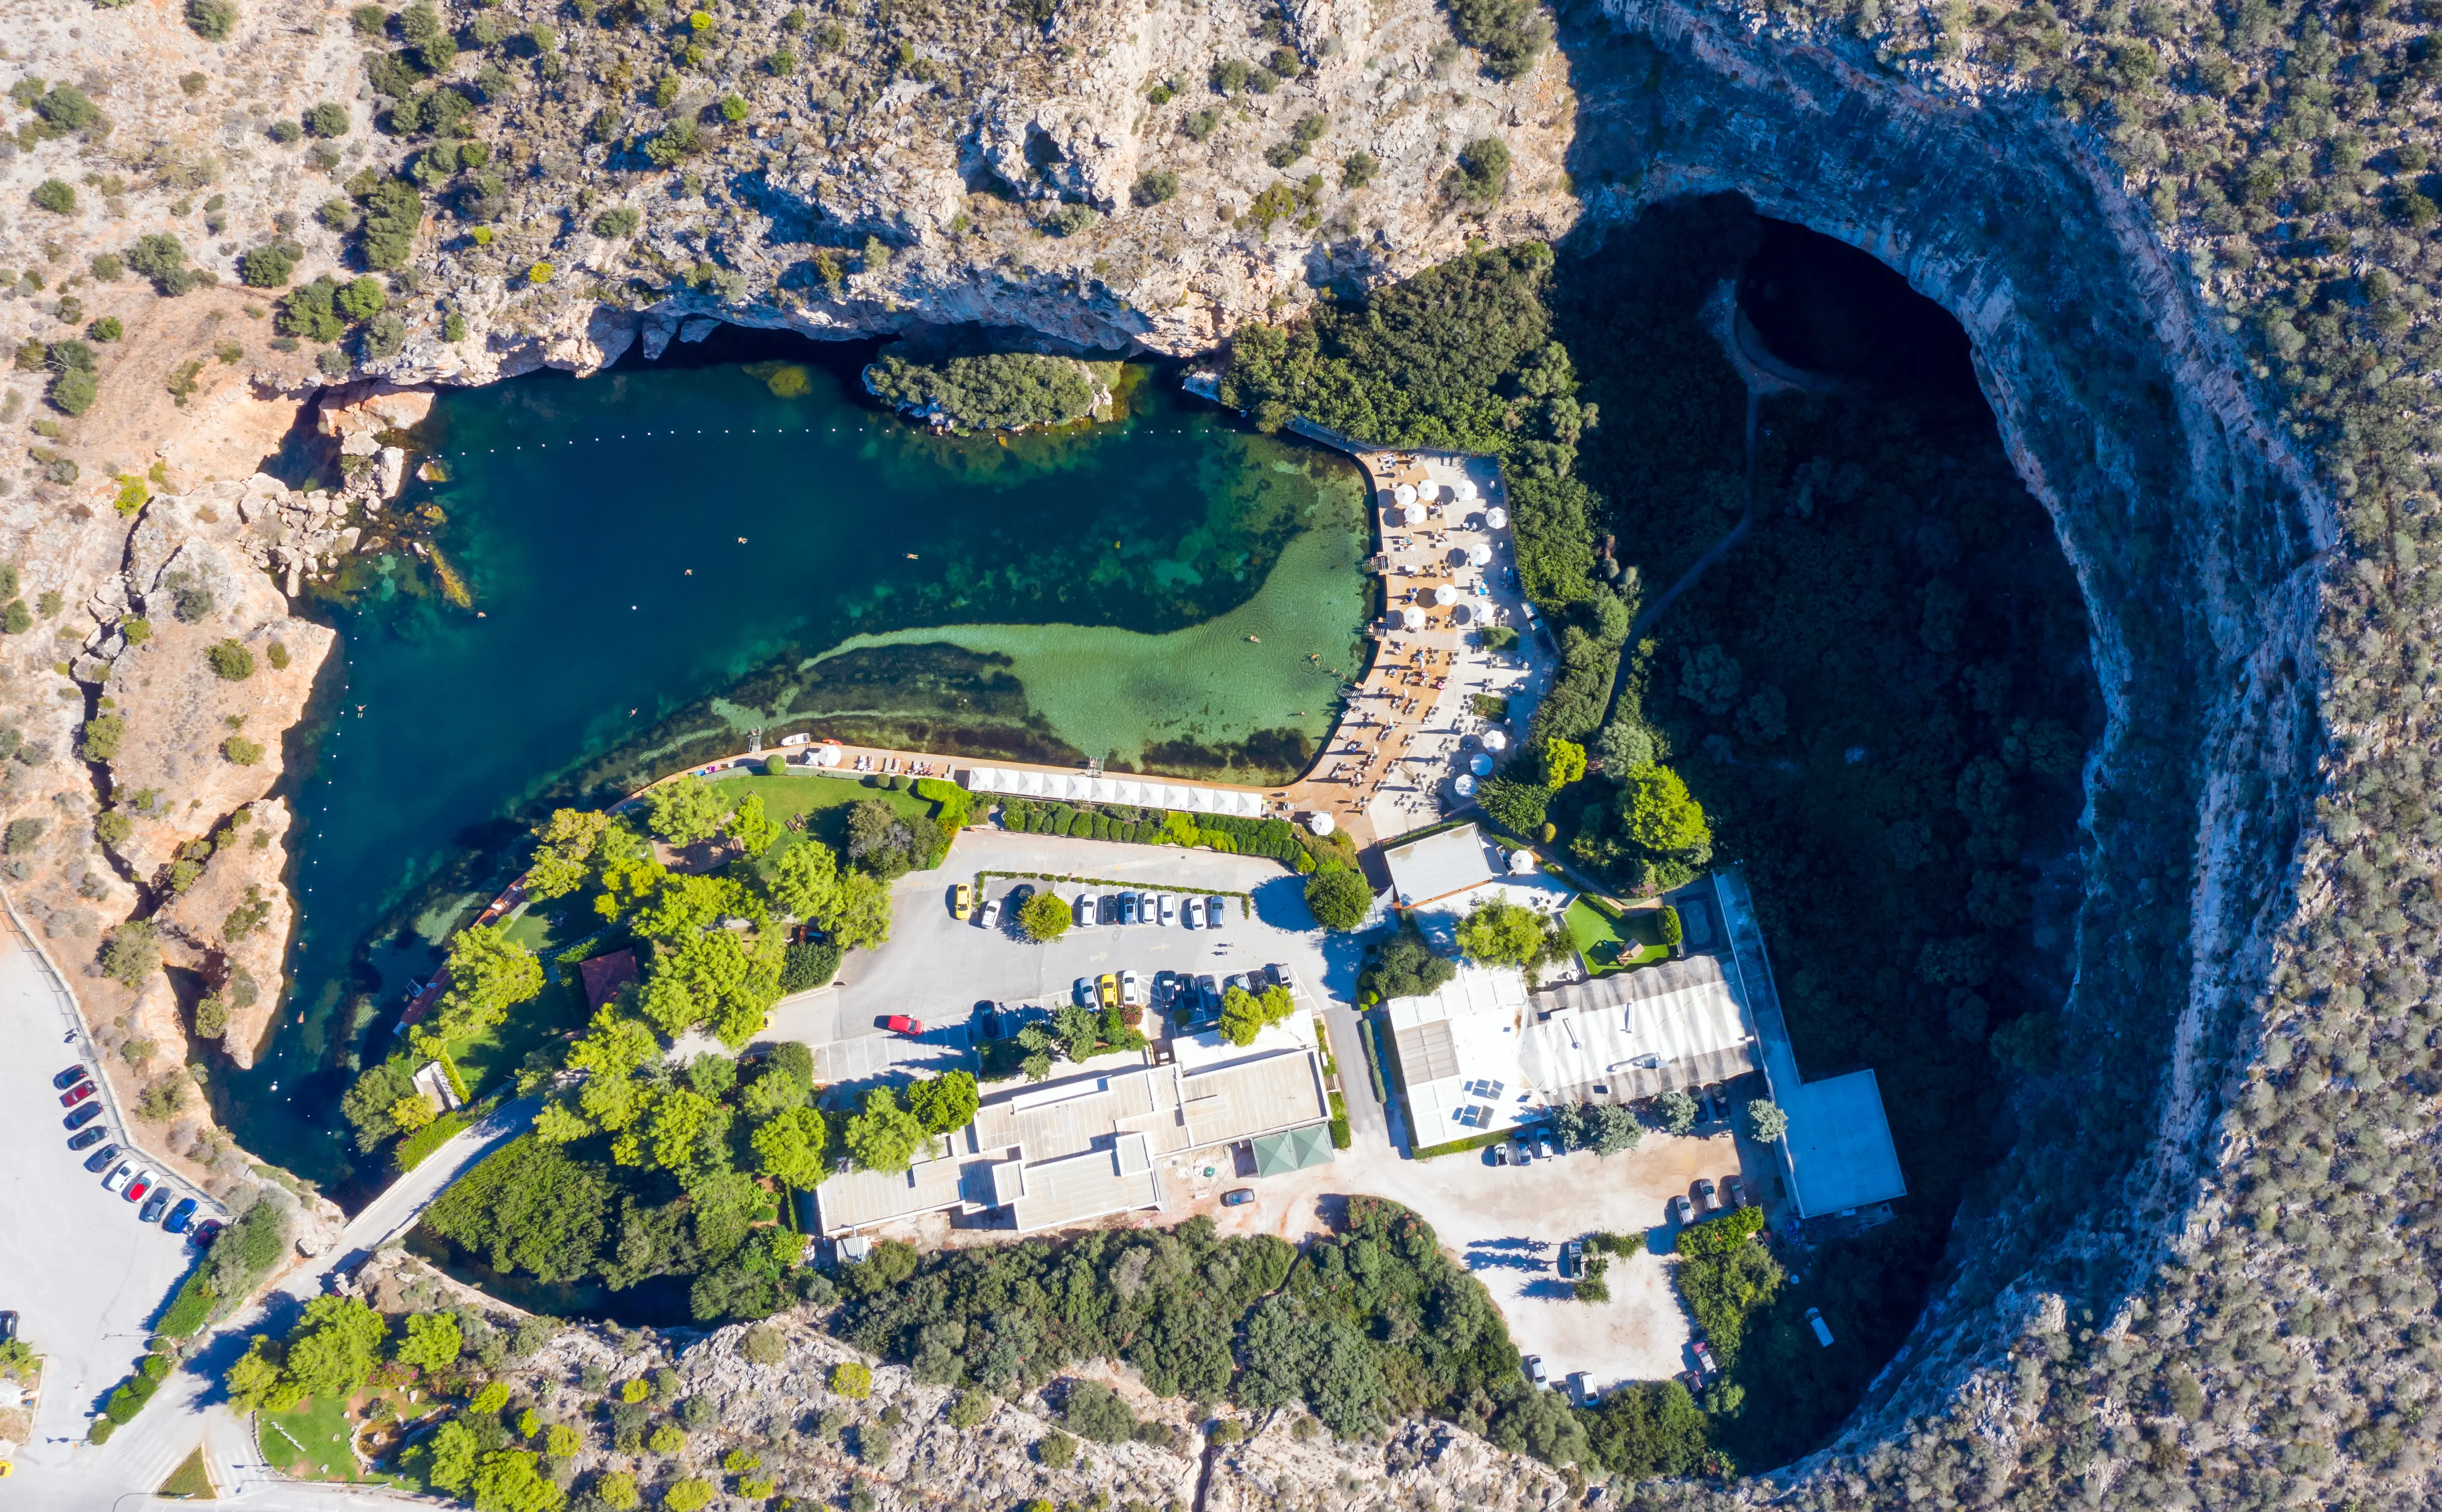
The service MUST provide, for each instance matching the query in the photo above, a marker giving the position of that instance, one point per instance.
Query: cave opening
(1878, 687)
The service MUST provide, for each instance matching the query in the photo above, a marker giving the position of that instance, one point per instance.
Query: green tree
(253, 1380)
(1245, 1014)
(1605, 1128)
(1499, 933)
(858, 912)
(430, 1342)
(213, 20)
(1564, 761)
(334, 1348)
(489, 973)
(529, 1207)
(1481, 171)
(1662, 816)
(789, 1147)
(509, 1480)
(1678, 1110)
(805, 880)
(1339, 898)
(231, 661)
(564, 848)
(749, 827)
(1045, 916)
(685, 811)
(883, 1136)
(1766, 1122)
(943, 1102)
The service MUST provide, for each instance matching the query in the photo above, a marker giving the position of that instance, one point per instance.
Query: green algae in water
(1054, 594)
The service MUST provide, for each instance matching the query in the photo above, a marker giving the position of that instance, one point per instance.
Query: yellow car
(1107, 989)
(962, 902)
(6, 1470)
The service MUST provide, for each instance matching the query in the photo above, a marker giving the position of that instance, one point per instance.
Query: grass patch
(1611, 942)
(823, 801)
(1473, 1142)
(311, 1443)
(191, 1481)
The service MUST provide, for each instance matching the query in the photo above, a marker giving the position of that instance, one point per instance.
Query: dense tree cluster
(1004, 391)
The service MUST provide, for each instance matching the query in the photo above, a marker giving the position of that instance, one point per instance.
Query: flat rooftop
(1449, 862)
(1638, 1033)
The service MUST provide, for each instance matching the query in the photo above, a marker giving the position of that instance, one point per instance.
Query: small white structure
(1151, 792)
(1496, 518)
(1320, 823)
(1522, 861)
(827, 756)
(1462, 490)
(434, 1083)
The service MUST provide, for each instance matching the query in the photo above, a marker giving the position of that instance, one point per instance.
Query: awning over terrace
(1144, 792)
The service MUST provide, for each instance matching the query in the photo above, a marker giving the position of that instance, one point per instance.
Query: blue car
(82, 1116)
(181, 1215)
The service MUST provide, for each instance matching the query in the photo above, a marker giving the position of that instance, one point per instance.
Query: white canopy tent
(1144, 792)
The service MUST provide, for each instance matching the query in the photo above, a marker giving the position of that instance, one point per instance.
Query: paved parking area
(83, 1276)
(937, 968)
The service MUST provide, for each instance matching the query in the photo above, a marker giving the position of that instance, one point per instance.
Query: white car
(1132, 992)
(1088, 911)
(119, 1177)
(1189, 909)
(990, 916)
(1166, 908)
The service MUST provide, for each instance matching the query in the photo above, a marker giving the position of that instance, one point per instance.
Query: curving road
(110, 1286)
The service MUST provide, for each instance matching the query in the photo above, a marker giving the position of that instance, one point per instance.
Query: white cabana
(1405, 492)
(1138, 792)
(1321, 824)
(1497, 518)
(1480, 764)
(1463, 785)
(1495, 740)
(1444, 595)
(1480, 555)
(1412, 618)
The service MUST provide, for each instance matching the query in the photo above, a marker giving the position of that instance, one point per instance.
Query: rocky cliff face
(935, 165)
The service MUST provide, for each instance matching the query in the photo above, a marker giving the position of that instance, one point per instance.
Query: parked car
(902, 1024)
(1210, 991)
(1533, 1365)
(76, 1094)
(1734, 1191)
(1191, 911)
(1544, 1145)
(1281, 976)
(1084, 992)
(1707, 1197)
(1525, 1149)
(138, 1185)
(1498, 1153)
(118, 1180)
(180, 1216)
(1166, 909)
(154, 1206)
(1682, 1213)
(1237, 1197)
(69, 1078)
(962, 901)
(1131, 909)
(8, 1327)
(88, 1138)
(82, 1117)
(100, 1159)
(1573, 1258)
(1214, 908)
(1087, 911)
(1581, 1388)
(1131, 992)
(1106, 991)
(1705, 1359)
(1822, 1329)
(205, 1233)
(992, 913)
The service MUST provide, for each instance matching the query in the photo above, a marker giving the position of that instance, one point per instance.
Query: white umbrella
(1495, 740)
(1444, 595)
(1462, 490)
(1411, 618)
(1405, 492)
(1520, 863)
(1321, 824)
(1497, 518)
(827, 756)
(1480, 764)
(1412, 514)
(1479, 555)
(1463, 785)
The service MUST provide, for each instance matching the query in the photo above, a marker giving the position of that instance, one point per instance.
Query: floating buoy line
(750, 430)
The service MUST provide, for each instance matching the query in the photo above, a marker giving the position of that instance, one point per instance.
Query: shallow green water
(659, 562)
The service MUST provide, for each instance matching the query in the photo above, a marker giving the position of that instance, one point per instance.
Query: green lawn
(1611, 942)
(311, 1444)
(824, 801)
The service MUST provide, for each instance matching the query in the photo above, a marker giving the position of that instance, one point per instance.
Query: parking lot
(937, 968)
(81, 1273)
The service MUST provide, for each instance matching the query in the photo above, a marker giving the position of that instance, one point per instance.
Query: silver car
(1088, 911)
(1166, 908)
(1189, 911)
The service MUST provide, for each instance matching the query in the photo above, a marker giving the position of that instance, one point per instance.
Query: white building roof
(1458, 1054)
(1635, 1033)
(1440, 865)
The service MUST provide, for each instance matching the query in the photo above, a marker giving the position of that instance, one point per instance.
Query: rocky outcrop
(231, 926)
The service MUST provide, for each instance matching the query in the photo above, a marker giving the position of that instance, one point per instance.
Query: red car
(136, 1189)
(76, 1094)
(902, 1024)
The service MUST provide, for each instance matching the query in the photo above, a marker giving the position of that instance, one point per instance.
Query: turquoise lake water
(659, 562)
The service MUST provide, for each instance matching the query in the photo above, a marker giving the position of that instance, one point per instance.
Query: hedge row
(1274, 839)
